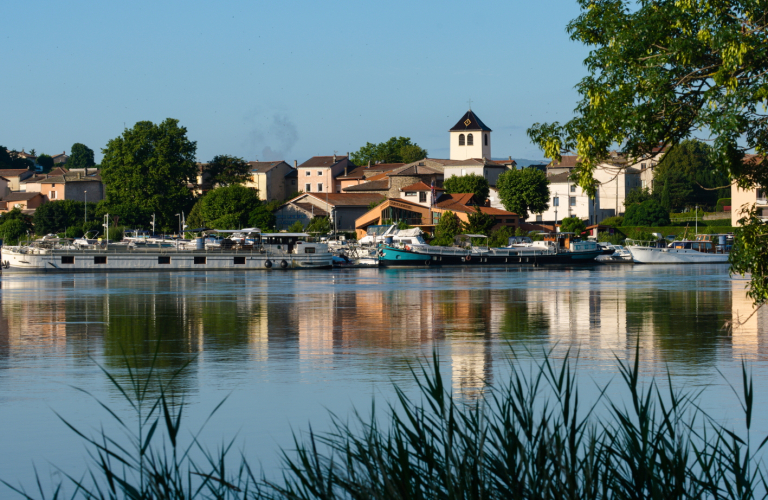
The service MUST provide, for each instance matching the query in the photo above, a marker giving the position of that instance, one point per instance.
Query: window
(53, 185)
(52, 195)
(573, 188)
(163, 259)
(573, 201)
(308, 173)
(319, 172)
(239, 261)
(410, 193)
(309, 249)
(539, 218)
(486, 139)
(100, 259)
(470, 141)
(642, 166)
(422, 197)
(461, 139)
(463, 172)
(199, 260)
(67, 259)
(556, 201)
(307, 188)
(319, 187)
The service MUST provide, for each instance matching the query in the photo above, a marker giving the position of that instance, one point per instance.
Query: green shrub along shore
(530, 436)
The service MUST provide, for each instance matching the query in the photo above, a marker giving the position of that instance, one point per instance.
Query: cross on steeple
(470, 104)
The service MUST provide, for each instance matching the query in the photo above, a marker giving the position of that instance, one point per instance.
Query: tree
(476, 184)
(57, 216)
(572, 225)
(524, 191)
(395, 150)
(81, 156)
(661, 71)
(320, 225)
(11, 159)
(225, 170)
(666, 202)
(263, 218)
(14, 225)
(691, 177)
(637, 195)
(480, 222)
(225, 208)
(296, 227)
(46, 162)
(648, 213)
(447, 228)
(149, 169)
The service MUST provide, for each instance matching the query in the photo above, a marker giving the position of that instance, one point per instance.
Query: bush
(616, 238)
(11, 231)
(647, 213)
(296, 227)
(500, 237)
(116, 233)
(73, 232)
(617, 221)
(572, 225)
(722, 202)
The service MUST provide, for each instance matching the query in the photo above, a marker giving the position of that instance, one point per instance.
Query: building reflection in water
(236, 319)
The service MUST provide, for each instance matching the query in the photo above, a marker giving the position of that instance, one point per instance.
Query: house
(567, 199)
(319, 173)
(269, 179)
(341, 208)
(426, 218)
(360, 175)
(4, 189)
(421, 194)
(24, 201)
(15, 176)
(76, 184)
(746, 198)
(390, 183)
(60, 158)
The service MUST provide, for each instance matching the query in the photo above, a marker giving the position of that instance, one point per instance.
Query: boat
(268, 251)
(705, 249)
(617, 254)
(473, 250)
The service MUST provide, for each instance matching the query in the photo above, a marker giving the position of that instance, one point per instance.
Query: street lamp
(85, 206)
(179, 216)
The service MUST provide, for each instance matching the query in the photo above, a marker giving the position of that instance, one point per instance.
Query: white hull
(646, 255)
(123, 259)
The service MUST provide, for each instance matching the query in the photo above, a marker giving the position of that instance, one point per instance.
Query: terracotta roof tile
(21, 196)
(420, 186)
(369, 186)
(322, 161)
(345, 199)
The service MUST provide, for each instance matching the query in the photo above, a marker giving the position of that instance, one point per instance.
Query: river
(286, 347)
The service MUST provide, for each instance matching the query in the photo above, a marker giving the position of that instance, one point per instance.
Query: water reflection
(315, 323)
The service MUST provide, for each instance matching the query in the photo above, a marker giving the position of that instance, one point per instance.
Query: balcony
(761, 202)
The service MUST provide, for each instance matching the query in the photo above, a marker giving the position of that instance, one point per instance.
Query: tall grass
(530, 437)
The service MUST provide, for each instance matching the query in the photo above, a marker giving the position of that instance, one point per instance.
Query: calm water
(286, 347)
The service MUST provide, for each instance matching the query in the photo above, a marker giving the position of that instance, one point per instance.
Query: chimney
(510, 158)
(345, 170)
(295, 163)
(369, 163)
(334, 157)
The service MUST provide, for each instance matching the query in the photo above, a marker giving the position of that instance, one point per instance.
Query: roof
(420, 186)
(365, 172)
(344, 199)
(59, 155)
(465, 202)
(567, 161)
(313, 209)
(470, 121)
(263, 166)
(55, 179)
(381, 185)
(13, 172)
(414, 169)
(322, 161)
(559, 178)
(292, 173)
(21, 196)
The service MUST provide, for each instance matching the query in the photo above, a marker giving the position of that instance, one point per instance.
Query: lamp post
(85, 206)
(696, 217)
(179, 216)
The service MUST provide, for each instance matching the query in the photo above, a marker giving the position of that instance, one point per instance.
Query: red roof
(465, 202)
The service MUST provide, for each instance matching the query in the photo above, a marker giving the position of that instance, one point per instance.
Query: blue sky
(285, 80)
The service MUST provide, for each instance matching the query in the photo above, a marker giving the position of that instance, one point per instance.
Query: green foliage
(319, 225)
(296, 227)
(647, 213)
(688, 173)
(13, 160)
(572, 225)
(637, 195)
(613, 221)
(447, 228)
(262, 218)
(395, 150)
(116, 233)
(480, 223)
(147, 170)
(375, 204)
(81, 156)
(476, 184)
(128, 214)
(46, 162)
(12, 230)
(56, 216)
(227, 208)
(74, 232)
(500, 237)
(616, 238)
(524, 191)
(721, 203)
(225, 170)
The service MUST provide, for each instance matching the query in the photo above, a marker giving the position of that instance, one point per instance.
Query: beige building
(272, 179)
(76, 184)
(22, 201)
(319, 174)
(15, 176)
(742, 199)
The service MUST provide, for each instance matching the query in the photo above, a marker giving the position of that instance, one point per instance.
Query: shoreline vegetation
(530, 436)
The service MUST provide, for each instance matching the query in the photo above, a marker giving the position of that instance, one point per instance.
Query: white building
(470, 138)
(568, 200)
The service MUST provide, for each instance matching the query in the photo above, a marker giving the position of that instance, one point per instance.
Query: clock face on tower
(467, 122)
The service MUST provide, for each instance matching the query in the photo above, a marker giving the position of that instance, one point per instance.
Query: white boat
(269, 251)
(620, 254)
(705, 249)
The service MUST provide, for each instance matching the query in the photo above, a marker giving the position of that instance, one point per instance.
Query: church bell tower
(470, 138)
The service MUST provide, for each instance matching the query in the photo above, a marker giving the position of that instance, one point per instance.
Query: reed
(529, 437)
